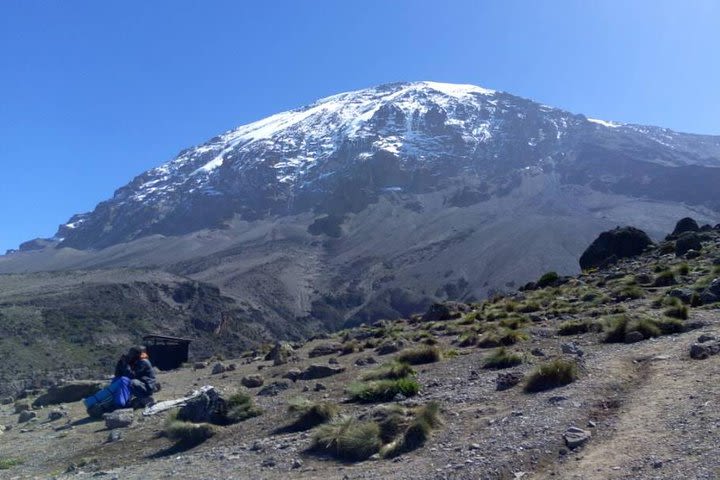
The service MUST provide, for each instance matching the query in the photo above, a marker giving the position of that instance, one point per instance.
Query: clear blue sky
(95, 92)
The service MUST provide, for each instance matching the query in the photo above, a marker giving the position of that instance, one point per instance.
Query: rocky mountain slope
(373, 204)
(603, 375)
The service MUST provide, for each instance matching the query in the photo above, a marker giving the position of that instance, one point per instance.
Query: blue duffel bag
(114, 396)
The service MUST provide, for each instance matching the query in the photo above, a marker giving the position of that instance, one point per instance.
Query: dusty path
(668, 425)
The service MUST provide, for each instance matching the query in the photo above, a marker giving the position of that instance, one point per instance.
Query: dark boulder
(68, 392)
(436, 312)
(325, 349)
(686, 224)
(207, 407)
(320, 371)
(622, 242)
(687, 241)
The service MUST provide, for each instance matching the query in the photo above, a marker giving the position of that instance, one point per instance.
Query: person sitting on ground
(136, 366)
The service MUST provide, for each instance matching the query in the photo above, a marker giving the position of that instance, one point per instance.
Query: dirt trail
(651, 434)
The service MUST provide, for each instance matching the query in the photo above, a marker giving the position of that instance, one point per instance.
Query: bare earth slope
(651, 410)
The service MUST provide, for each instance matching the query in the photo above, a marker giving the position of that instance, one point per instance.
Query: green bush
(683, 269)
(348, 439)
(309, 414)
(502, 358)
(547, 279)
(629, 292)
(391, 371)
(382, 390)
(189, 433)
(419, 355)
(528, 307)
(240, 407)
(553, 374)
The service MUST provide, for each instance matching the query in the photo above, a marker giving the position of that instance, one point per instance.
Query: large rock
(615, 244)
(280, 353)
(575, 437)
(507, 380)
(701, 351)
(26, 416)
(207, 407)
(712, 293)
(686, 224)
(686, 242)
(219, 368)
(325, 349)
(119, 418)
(252, 381)
(273, 389)
(320, 371)
(68, 393)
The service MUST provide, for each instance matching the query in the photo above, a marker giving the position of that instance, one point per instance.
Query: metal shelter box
(167, 353)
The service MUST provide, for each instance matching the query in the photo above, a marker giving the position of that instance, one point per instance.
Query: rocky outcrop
(683, 225)
(320, 371)
(687, 241)
(622, 242)
(69, 392)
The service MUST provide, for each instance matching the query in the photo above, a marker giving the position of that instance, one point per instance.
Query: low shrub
(426, 419)
(468, 339)
(679, 311)
(419, 355)
(391, 370)
(547, 279)
(309, 414)
(665, 279)
(348, 439)
(574, 327)
(553, 374)
(189, 433)
(683, 269)
(382, 390)
(240, 407)
(629, 292)
(502, 358)
(618, 327)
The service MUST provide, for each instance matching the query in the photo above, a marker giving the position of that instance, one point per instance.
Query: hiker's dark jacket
(141, 370)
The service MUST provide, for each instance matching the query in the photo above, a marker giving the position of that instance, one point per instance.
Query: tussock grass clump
(553, 374)
(683, 269)
(8, 463)
(528, 307)
(189, 433)
(629, 292)
(419, 355)
(678, 311)
(468, 339)
(509, 337)
(391, 371)
(665, 279)
(348, 439)
(310, 414)
(574, 327)
(426, 419)
(351, 346)
(547, 279)
(502, 358)
(618, 327)
(382, 390)
(240, 407)
(668, 326)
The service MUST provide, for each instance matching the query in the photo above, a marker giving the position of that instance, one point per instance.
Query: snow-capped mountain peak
(399, 136)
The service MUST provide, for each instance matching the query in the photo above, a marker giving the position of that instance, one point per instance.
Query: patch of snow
(605, 123)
